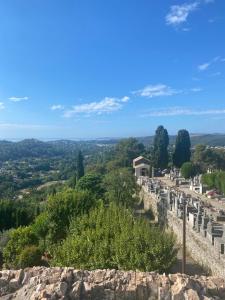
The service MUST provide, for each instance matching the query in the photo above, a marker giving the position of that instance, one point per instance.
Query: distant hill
(35, 148)
(205, 139)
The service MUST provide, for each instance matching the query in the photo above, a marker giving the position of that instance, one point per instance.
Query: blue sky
(96, 68)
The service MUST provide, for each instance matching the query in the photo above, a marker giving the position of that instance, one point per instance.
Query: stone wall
(198, 247)
(67, 283)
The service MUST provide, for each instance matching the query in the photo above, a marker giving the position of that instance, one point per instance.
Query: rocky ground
(67, 283)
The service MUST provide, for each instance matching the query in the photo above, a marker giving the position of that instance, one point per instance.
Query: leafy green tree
(121, 187)
(64, 206)
(41, 228)
(160, 151)
(182, 151)
(80, 165)
(215, 180)
(127, 150)
(18, 239)
(111, 237)
(91, 182)
(188, 170)
(16, 213)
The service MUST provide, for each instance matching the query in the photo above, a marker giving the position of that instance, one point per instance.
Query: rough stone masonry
(40, 283)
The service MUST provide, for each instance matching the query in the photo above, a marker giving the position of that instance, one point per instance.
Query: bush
(91, 182)
(215, 180)
(113, 238)
(30, 256)
(188, 170)
(64, 206)
(18, 239)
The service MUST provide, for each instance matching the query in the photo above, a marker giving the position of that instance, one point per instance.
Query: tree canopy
(182, 151)
(80, 165)
(160, 151)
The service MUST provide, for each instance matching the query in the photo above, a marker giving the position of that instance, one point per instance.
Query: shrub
(18, 239)
(30, 256)
(113, 238)
(188, 170)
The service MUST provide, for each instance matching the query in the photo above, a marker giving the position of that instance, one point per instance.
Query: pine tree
(80, 165)
(182, 152)
(161, 142)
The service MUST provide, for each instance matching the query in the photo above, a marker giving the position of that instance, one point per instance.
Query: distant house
(142, 166)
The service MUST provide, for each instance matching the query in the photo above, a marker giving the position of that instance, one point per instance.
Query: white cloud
(106, 105)
(18, 99)
(180, 111)
(2, 106)
(125, 99)
(204, 66)
(178, 14)
(196, 89)
(157, 90)
(207, 64)
(57, 107)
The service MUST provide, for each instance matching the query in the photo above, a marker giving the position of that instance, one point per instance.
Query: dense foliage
(215, 180)
(182, 152)
(161, 142)
(188, 170)
(80, 165)
(121, 187)
(112, 238)
(16, 213)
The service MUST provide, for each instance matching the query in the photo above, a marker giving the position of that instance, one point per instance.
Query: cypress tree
(80, 165)
(160, 152)
(182, 152)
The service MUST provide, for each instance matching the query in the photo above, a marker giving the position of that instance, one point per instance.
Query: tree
(18, 239)
(206, 158)
(80, 165)
(182, 151)
(160, 151)
(121, 187)
(188, 170)
(61, 208)
(215, 180)
(111, 237)
(127, 150)
(91, 182)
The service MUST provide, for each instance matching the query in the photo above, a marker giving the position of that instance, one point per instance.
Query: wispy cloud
(181, 111)
(158, 90)
(18, 99)
(196, 89)
(57, 107)
(106, 105)
(24, 126)
(2, 106)
(206, 65)
(178, 14)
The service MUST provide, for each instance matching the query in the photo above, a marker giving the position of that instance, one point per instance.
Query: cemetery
(205, 223)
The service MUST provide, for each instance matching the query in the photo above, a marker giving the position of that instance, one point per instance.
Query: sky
(83, 69)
